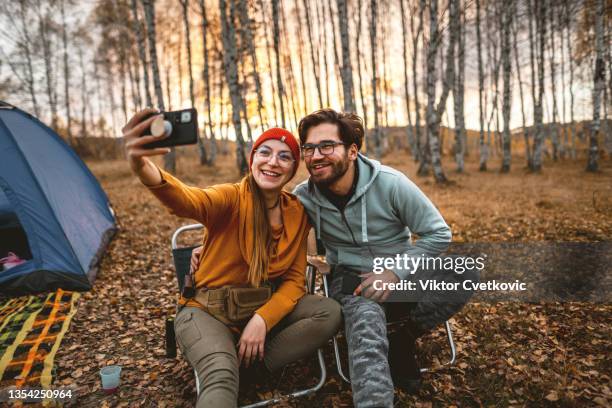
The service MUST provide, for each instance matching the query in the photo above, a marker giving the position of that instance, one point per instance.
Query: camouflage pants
(365, 327)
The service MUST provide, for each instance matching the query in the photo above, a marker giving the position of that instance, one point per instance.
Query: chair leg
(339, 361)
(197, 381)
(451, 344)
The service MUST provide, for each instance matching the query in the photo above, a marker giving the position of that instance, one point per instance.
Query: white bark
(598, 88)
(346, 70)
(230, 63)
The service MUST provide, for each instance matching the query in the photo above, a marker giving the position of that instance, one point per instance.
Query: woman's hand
(195, 258)
(134, 150)
(252, 340)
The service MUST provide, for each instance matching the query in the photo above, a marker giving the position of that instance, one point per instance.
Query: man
(361, 209)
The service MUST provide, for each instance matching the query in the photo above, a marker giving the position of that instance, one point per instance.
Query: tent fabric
(59, 203)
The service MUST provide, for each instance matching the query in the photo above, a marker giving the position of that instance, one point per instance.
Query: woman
(256, 233)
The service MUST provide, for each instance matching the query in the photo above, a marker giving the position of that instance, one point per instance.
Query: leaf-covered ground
(509, 354)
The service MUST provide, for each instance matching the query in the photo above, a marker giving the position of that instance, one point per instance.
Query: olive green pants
(210, 346)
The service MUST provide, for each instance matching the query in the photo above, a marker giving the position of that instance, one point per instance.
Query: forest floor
(509, 354)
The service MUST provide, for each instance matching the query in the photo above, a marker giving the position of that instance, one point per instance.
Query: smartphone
(350, 283)
(181, 127)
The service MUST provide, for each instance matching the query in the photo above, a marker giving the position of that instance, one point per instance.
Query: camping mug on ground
(110, 378)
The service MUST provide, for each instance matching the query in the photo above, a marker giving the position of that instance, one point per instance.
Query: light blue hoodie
(377, 221)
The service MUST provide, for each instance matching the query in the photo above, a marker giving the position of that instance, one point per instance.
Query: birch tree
(276, 39)
(415, 34)
(435, 112)
(149, 9)
(373, 48)
(185, 9)
(520, 87)
(207, 84)
(66, 71)
(247, 36)
(540, 19)
(458, 96)
(507, 17)
(409, 130)
(346, 70)
(314, 59)
(553, 82)
(598, 87)
(568, 24)
(44, 35)
(230, 65)
(484, 150)
(142, 51)
(358, 56)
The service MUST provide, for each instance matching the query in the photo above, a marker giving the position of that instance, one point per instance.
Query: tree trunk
(27, 49)
(540, 19)
(337, 64)
(66, 73)
(45, 40)
(568, 25)
(507, 14)
(484, 151)
(434, 114)
(185, 6)
(346, 71)
(553, 81)
(149, 9)
(276, 39)
(247, 36)
(373, 48)
(458, 96)
(409, 130)
(323, 42)
(299, 35)
(207, 85)
(359, 71)
(84, 92)
(228, 36)
(134, 91)
(314, 59)
(142, 52)
(520, 87)
(598, 87)
(291, 95)
(415, 55)
(265, 19)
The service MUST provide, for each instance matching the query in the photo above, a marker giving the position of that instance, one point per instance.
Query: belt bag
(233, 305)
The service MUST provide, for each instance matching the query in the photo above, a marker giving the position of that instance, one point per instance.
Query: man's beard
(338, 169)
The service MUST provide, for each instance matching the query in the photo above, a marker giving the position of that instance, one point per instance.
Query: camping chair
(182, 257)
(319, 264)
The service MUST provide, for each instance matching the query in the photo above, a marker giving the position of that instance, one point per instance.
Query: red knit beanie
(284, 136)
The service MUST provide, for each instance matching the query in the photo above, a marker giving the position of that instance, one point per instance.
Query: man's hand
(367, 289)
(252, 340)
(195, 259)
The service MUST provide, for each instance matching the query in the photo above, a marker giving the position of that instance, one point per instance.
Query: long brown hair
(258, 267)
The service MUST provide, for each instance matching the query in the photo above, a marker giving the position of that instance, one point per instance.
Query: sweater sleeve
(419, 214)
(205, 205)
(292, 288)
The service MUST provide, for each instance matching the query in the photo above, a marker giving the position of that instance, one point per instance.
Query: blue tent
(53, 212)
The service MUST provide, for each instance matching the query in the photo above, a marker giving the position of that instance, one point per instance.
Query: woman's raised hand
(134, 150)
(252, 340)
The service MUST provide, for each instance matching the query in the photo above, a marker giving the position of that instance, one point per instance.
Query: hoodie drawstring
(318, 227)
(364, 224)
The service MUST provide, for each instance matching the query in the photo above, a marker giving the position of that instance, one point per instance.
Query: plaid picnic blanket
(31, 330)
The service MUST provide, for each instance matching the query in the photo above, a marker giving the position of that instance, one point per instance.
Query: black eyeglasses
(325, 148)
